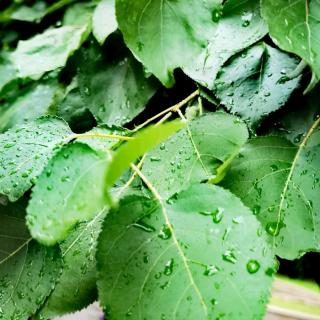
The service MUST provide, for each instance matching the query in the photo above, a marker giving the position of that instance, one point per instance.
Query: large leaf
(238, 25)
(28, 272)
(29, 104)
(69, 190)
(143, 141)
(165, 35)
(195, 154)
(114, 91)
(251, 85)
(77, 284)
(104, 20)
(294, 26)
(196, 257)
(280, 182)
(24, 152)
(47, 51)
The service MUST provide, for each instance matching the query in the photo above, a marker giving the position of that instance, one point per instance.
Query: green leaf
(79, 14)
(76, 288)
(114, 91)
(29, 104)
(251, 85)
(195, 257)
(7, 71)
(237, 26)
(47, 51)
(195, 154)
(104, 20)
(143, 141)
(165, 35)
(294, 26)
(280, 182)
(28, 271)
(69, 190)
(24, 152)
(33, 13)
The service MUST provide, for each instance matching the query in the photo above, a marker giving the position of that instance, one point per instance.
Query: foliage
(104, 195)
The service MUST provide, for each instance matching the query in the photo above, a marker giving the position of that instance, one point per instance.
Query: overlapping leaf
(114, 91)
(104, 20)
(196, 257)
(24, 152)
(252, 84)
(28, 272)
(280, 182)
(195, 154)
(30, 103)
(237, 26)
(77, 284)
(294, 26)
(69, 190)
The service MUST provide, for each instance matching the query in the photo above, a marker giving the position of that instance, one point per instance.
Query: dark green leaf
(29, 104)
(280, 182)
(115, 92)
(237, 26)
(294, 26)
(252, 86)
(198, 257)
(24, 152)
(28, 272)
(77, 284)
(69, 190)
(196, 153)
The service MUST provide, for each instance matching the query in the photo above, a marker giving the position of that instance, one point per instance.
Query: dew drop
(253, 266)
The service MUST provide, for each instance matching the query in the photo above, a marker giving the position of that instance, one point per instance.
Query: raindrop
(211, 270)
(165, 233)
(253, 266)
(168, 269)
(229, 256)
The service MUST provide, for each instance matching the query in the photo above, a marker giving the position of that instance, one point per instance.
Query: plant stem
(101, 135)
(174, 108)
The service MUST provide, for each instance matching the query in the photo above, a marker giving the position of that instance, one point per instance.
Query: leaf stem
(174, 108)
(101, 135)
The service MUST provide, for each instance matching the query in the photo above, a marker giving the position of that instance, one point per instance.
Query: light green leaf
(24, 152)
(196, 153)
(280, 182)
(104, 20)
(237, 26)
(33, 13)
(47, 51)
(294, 26)
(251, 84)
(143, 141)
(28, 271)
(165, 35)
(114, 91)
(79, 14)
(195, 257)
(29, 104)
(69, 190)
(76, 288)
(7, 71)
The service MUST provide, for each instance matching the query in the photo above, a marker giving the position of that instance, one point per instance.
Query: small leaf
(104, 20)
(143, 141)
(251, 85)
(7, 71)
(77, 284)
(68, 191)
(195, 154)
(24, 152)
(294, 26)
(114, 91)
(238, 26)
(173, 261)
(280, 182)
(33, 13)
(28, 271)
(47, 51)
